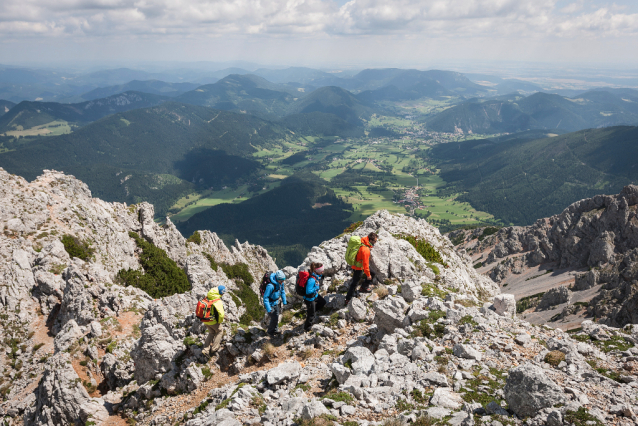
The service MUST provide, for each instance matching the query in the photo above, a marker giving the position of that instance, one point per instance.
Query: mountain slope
(334, 100)
(321, 124)
(241, 93)
(520, 181)
(171, 139)
(155, 87)
(27, 114)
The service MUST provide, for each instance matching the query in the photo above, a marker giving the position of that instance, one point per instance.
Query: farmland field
(369, 173)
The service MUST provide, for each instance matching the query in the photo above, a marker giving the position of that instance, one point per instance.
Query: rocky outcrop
(598, 233)
(61, 398)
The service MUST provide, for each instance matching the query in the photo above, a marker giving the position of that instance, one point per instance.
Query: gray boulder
(528, 390)
(361, 358)
(313, 409)
(446, 398)
(283, 373)
(357, 309)
(153, 353)
(466, 351)
(554, 297)
(69, 335)
(505, 305)
(389, 313)
(411, 290)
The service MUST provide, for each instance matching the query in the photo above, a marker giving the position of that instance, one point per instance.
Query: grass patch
(554, 358)
(161, 277)
(468, 319)
(286, 318)
(381, 291)
(581, 417)
(431, 290)
(428, 327)
(322, 420)
(212, 262)
(339, 396)
(353, 227)
(425, 249)
(77, 248)
(238, 270)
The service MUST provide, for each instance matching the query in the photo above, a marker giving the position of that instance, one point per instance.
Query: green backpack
(354, 244)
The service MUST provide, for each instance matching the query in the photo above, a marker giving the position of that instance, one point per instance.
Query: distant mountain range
(27, 114)
(519, 180)
(540, 111)
(155, 87)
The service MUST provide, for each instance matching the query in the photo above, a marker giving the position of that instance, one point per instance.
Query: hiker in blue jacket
(273, 295)
(313, 300)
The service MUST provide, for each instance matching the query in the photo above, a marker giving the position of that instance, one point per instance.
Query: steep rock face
(61, 398)
(395, 258)
(599, 233)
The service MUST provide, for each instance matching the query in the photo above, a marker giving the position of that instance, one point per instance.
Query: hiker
(361, 264)
(272, 295)
(210, 311)
(313, 300)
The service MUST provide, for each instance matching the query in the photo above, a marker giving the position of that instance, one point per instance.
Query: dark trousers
(311, 310)
(356, 277)
(274, 319)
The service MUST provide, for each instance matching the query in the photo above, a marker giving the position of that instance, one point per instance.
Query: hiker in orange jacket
(363, 256)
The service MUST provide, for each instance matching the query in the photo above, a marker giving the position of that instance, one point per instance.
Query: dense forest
(521, 180)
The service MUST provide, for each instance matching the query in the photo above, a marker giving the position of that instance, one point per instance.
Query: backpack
(302, 279)
(264, 283)
(205, 308)
(354, 244)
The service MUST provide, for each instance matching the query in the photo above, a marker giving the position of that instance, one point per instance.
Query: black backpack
(264, 283)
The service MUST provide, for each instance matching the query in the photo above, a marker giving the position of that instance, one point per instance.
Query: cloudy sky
(312, 32)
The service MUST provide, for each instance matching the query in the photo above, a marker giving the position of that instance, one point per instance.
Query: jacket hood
(366, 240)
(213, 294)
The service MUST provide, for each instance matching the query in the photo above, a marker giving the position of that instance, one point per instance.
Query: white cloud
(394, 27)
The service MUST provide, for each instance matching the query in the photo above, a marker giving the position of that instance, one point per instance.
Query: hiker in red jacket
(363, 257)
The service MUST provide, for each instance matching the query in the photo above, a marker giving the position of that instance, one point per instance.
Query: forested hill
(539, 111)
(288, 220)
(521, 180)
(187, 142)
(29, 114)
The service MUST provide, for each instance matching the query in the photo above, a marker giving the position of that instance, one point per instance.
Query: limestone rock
(529, 390)
(505, 305)
(389, 313)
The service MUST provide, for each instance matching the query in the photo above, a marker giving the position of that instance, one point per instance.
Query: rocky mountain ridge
(435, 342)
(591, 245)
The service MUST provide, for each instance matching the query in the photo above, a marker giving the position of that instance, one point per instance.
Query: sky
(321, 32)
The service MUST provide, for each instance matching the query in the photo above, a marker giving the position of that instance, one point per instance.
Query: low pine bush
(77, 248)
(161, 276)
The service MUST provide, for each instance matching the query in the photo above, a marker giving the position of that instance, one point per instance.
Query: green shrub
(428, 326)
(468, 319)
(490, 230)
(207, 373)
(161, 277)
(250, 299)
(76, 248)
(353, 227)
(425, 249)
(212, 262)
(238, 270)
(195, 238)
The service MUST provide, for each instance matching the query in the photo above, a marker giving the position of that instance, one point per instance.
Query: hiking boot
(275, 334)
(348, 301)
(366, 290)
